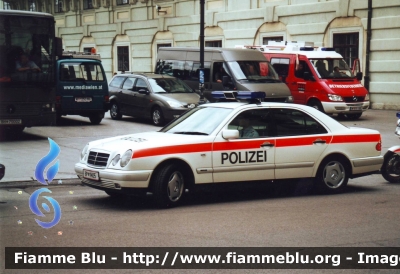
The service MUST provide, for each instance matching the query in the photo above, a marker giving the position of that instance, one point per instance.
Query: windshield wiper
(190, 133)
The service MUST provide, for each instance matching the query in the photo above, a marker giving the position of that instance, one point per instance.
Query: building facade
(127, 33)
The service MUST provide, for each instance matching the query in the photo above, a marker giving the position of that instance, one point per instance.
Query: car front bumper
(343, 107)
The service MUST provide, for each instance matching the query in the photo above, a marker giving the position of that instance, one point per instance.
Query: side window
(194, 74)
(140, 84)
(95, 72)
(117, 81)
(128, 84)
(290, 122)
(301, 68)
(253, 124)
(218, 72)
(281, 66)
(171, 67)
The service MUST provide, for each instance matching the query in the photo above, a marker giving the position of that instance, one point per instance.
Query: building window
(87, 50)
(6, 5)
(214, 44)
(31, 5)
(272, 38)
(123, 58)
(166, 45)
(347, 45)
(122, 2)
(87, 4)
(58, 6)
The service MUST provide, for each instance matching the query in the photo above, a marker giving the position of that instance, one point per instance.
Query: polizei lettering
(244, 157)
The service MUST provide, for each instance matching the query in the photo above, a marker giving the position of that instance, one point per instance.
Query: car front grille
(98, 158)
(353, 99)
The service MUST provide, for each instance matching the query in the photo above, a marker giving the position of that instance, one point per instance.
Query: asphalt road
(258, 216)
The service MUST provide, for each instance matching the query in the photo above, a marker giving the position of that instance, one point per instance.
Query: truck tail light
(106, 99)
(58, 101)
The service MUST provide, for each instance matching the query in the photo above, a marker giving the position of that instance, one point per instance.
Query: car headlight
(366, 97)
(84, 151)
(175, 104)
(116, 159)
(126, 157)
(334, 97)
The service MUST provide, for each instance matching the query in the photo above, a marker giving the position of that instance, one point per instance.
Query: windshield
(198, 121)
(26, 49)
(331, 68)
(169, 85)
(258, 71)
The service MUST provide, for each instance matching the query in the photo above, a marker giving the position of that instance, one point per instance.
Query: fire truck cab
(318, 77)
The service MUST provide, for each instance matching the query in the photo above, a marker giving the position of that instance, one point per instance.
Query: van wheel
(95, 119)
(157, 116)
(115, 112)
(316, 104)
(353, 116)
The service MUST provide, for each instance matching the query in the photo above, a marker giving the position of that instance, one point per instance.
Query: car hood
(189, 98)
(143, 141)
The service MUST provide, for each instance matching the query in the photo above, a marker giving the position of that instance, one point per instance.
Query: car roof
(145, 74)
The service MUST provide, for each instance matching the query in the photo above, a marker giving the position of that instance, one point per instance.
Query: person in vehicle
(247, 130)
(336, 72)
(24, 64)
(220, 72)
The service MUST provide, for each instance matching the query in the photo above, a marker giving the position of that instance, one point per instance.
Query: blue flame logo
(50, 174)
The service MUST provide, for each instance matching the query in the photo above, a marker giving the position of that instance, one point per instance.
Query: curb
(24, 184)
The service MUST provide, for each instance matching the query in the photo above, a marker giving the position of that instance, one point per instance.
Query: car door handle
(266, 144)
(319, 141)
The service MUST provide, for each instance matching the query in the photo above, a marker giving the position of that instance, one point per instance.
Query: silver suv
(159, 97)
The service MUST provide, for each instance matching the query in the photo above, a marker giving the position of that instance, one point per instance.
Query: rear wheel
(314, 103)
(333, 175)
(115, 112)
(391, 168)
(168, 185)
(95, 119)
(157, 116)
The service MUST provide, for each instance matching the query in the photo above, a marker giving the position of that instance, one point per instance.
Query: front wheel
(314, 103)
(333, 175)
(168, 185)
(353, 116)
(391, 168)
(157, 116)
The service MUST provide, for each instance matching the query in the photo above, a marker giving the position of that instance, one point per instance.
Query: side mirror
(359, 76)
(2, 171)
(230, 134)
(143, 91)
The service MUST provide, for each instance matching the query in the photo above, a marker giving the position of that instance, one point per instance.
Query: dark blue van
(82, 87)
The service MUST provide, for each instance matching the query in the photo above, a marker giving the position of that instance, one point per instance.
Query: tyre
(353, 116)
(391, 168)
(168, 185)
(332, 176)
(115, 111)
(157, 117)
(316, 104)
(95, 119)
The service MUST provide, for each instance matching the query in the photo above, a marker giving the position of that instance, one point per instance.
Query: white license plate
(355, 108)
(83, 99)
(91, 175)
(10, 121)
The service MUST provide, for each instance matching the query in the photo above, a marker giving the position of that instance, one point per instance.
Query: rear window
(117, 81)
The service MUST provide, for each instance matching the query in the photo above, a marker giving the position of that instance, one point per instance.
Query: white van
(224, 69)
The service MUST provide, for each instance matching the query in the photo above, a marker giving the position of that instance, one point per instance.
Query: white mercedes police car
(232, 142)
